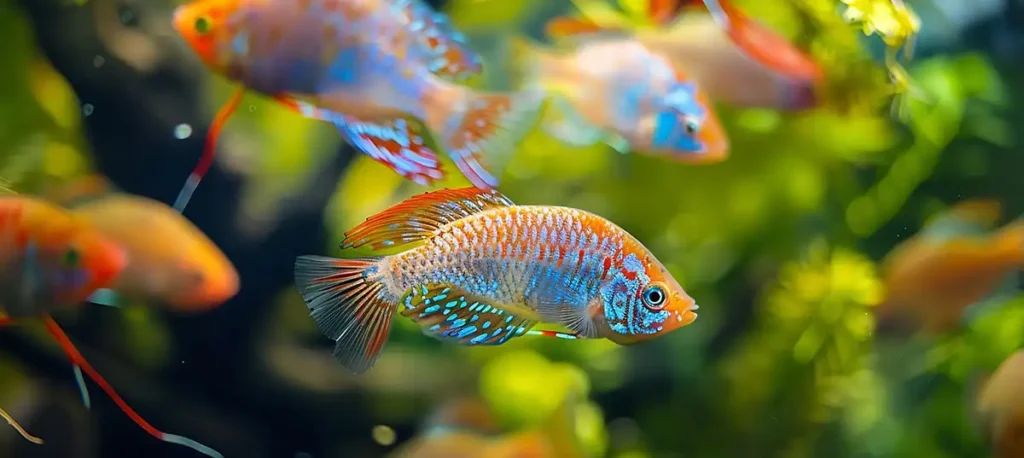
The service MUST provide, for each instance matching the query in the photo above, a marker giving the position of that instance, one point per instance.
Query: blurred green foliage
(790, 214)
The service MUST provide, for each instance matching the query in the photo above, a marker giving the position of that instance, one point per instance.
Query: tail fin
(14, 424)
(487, 128)
(1011, 238)
(209, 149)
(347, 305)
(78, 360)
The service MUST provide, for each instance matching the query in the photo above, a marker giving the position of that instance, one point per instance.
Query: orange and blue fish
(386, 73)
(480, 270)
(734, 58)
(614, 90)
(51, 259)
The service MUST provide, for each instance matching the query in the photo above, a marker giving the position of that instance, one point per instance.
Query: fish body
(379, 70)
(49, 258)
(932, 279)
(169, 258)
(999, 408)
(614, 89)
(732, 57)
(486, 271)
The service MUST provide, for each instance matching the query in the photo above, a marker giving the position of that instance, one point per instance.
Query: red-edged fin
(566, 26)
(763, 44)
(348, 306)
(664, 12)
(452, 315)
(17, 427)
(77, 359)
(487, 130)
(420, 216)
(399, 144)
(449, 54)
(209, 149)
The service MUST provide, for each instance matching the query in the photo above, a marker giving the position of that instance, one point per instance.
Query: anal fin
(450, 314)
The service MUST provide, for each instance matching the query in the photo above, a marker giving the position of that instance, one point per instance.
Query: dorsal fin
(417, 217)
(566, 26)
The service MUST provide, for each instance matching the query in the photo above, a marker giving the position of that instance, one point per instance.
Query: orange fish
(51, 259)
(169, 258)
(483, 270)
(384, 72)
(933, 277)
(732, 57)
(472, 437)
(615, 90)
(999, 408)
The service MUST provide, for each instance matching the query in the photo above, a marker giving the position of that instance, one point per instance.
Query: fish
(953, 263)
(51, 259)
(998, 408)
(732, 57)
(555, 438)
(386, 73)
(615, 91)
(170, 260)
(479, 270)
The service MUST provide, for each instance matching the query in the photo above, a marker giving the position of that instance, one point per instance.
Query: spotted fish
(479, 270)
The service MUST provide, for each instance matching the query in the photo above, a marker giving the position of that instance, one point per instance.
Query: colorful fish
(380, 70)
(731, 56)
(51, 259)
(484, 271)
(999, 408)
(952, 264)
(614, 90)
(169, 258)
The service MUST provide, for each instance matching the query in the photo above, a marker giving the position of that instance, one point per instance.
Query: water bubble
(182, 131)
(252, 108)
(98, 61)
(383, 435)
(87, 109)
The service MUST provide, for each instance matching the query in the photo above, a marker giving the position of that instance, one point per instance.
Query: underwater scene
(512, 229)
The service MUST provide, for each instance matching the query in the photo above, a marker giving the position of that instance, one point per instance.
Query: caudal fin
(78, 360)
(347, 305)
(487, 130)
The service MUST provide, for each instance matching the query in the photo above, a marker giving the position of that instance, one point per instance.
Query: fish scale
(479, 270)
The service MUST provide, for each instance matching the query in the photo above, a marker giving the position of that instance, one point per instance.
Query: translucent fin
(14, 424)
(347, 306)
(417, 217)
(209, 150)
(452, 315)
(487, 130)
(77, 359)
(399, 144)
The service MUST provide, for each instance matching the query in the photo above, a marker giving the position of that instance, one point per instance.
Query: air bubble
(182, 131)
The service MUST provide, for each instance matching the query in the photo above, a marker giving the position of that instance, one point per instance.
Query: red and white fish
(385, 72)
(480, 271)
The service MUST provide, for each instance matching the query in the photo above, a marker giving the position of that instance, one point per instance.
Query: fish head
(642, 300)
(77, 259)
(203, 277)
(206, 27)
(685, 127)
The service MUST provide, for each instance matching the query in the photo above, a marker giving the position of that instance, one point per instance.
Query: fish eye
(691, 124)
(654, 297)
(71, 257)
(202, 25)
